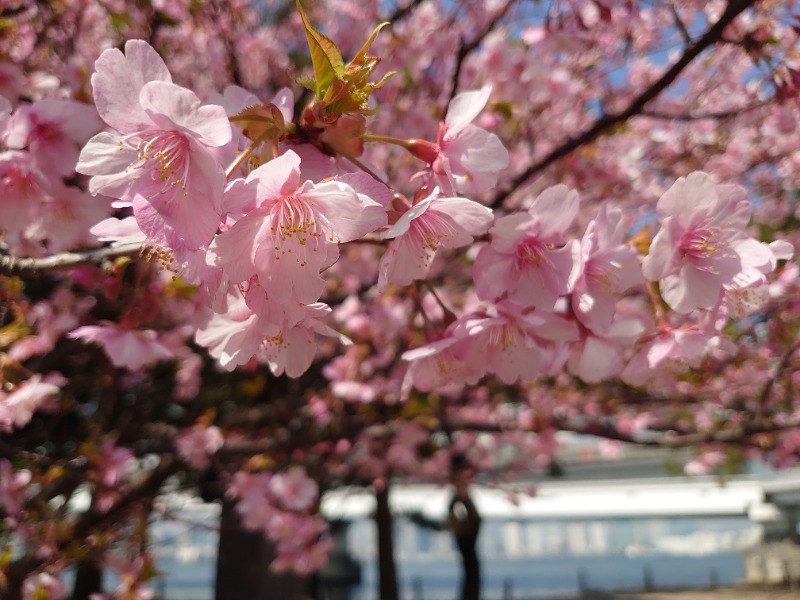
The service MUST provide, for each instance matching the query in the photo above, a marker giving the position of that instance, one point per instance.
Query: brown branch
(19, 569)
(762, 401)
(671, 439)
(723, 114)
(402, 11)
(465, 48)
(607, 121)
(687, 38)
(10, 265)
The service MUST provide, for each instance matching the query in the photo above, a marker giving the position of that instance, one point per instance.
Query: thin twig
(607, 121)
(465, 48)
(11, 265)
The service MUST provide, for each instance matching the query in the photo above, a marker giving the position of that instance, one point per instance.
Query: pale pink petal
(351, 216)
(169, 105)
(464, 108)
(688, 196)
(472, 217)
(118, 80)
(279, 177)
(555, 208)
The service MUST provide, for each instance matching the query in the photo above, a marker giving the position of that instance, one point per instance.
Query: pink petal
(118, 80)
(555, 208)
(168, 105)
(464, 108)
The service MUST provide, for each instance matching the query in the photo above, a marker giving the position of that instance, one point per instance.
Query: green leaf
(260, 122)
(325, 56)
(361, 56)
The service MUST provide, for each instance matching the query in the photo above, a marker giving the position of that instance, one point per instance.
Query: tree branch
(723, 114)
(402, 11)
(10, 265)
(607, 121)
(465, 48)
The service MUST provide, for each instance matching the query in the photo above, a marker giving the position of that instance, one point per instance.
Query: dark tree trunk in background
(465, 523)
(88, 580)
(243, 565)
(387, 571)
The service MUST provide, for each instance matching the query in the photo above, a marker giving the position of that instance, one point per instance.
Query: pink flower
(600, 355)
(23, 188)
(437, 365)
(433, 222)
(195, 445)
(679, 349)
(294, 489)
(163, 158)
(607, 267)
(113, 463)
(528, 257)
(695, 253)
(294, 230)
(132, 349)
(18, 407)
(292, 350)
(53, 130)
(469, 155)
(507, 340)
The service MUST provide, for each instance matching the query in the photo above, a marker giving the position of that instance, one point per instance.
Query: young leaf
(325, 56)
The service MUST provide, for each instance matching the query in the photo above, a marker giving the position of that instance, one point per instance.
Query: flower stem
(356, 162)
(374, 137)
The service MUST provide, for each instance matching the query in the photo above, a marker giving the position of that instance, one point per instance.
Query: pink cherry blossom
(433, 222)
(43, 586)
(18, 406)
(13, 486)
(508, 340)
(234, 336)
(162, 157)
(52, 130)
(529, 257)
(601, 355)
(694, 254)
(679, 349)
(292, 350)
(294, 488)
(195, 445)
(132, 349)
(470, 156)
(294, 230)
(607, 267)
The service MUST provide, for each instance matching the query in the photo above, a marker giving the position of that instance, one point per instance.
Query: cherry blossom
(470, 156)
(161, 158)
(293, 231)
(133, 349)
(695, 253)
(53, 131)
(433, 222)
(529, 256)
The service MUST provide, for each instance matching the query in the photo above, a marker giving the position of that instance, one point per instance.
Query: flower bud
(424, 150)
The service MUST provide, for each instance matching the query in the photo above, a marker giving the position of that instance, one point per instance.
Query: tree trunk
(387, 571)
(465, 522)
(243, 565)
(15, 575)
(88, 580)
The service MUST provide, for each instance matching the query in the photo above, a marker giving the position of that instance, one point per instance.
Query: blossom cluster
(284, 236)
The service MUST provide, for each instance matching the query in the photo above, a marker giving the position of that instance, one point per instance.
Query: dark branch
(402, 11)
(723, 114)
(10, 265)
(465, 48)
(607, 121)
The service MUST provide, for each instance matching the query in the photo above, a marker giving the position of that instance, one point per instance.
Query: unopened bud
(423, 149)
